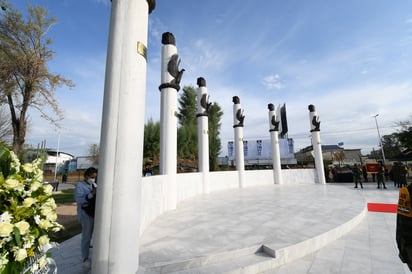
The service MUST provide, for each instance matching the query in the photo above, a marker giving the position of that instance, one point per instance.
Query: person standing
(365, 174)
(357, 175)
(64, 178)
(381, 179)
(85, 196)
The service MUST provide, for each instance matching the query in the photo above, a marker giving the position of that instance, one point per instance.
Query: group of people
(397, 173)
(85, 197)
(357, 172)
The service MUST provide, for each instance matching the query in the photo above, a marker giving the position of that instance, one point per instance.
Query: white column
(316, 144)
(274, 138)
(238, 119)
(203, 132)
(116, 234)
(170, 79)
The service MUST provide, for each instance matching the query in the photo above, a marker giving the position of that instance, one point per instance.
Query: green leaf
(5, 161)
(17, 236)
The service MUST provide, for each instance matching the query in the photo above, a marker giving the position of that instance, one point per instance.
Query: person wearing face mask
(85, 197)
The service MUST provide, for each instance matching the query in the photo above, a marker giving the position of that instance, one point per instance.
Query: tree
(25, 81)
(215, 146)
(187, 109)
(187, 132)
(94, 153)
(5, 127)
(405, 135)
(391, 146)
(151, 143)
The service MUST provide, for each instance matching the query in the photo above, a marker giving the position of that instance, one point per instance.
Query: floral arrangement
(27, 215)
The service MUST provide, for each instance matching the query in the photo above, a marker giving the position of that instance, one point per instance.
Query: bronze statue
(172, 65)
(239, 113)
(204, 102)
(273, 121)
(315, 120)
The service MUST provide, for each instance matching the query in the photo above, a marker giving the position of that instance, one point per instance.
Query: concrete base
(249, 230)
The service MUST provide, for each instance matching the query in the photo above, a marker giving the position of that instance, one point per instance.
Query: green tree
(405, 135)
(391, 146)
(215, 146)
(187, 132)
(187, 109)
(151, 144)
(25, 81)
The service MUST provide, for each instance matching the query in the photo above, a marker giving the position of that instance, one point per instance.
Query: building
(258, 153)
(333, 154)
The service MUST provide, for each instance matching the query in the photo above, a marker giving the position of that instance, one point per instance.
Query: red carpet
(376, 207)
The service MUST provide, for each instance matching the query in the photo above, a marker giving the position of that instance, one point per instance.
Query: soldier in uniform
(357, 175)
(381, 172)
(395, 174)
(404, 226)
(403, 170)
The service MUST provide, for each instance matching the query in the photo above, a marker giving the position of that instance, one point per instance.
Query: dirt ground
(67, 213)
(67, 216)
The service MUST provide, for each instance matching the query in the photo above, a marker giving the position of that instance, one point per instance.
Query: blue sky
(351, 59)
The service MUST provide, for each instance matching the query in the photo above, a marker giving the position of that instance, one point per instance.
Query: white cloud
(273, 82)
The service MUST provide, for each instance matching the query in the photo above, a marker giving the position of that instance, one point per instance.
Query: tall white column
(170, 85)
(238, 119)
(274, 138)
(203, 132)
(316, 144)
(116, 234)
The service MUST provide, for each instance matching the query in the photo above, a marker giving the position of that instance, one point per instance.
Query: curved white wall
(154, 188)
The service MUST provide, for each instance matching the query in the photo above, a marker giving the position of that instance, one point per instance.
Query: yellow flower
(28, 167)
(35, 185)
(50, 203)
(46, 211)
(20, 254)
(5, 229)
(12, 183)
(45, 224)
(48, 189)
(23, 227)
(52, 217)
(42, 261)
(28, 202)
(43, 240)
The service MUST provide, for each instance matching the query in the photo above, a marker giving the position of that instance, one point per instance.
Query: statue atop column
(315, 119)
(204, 100)
(273, 121)
(239, 113)
(172, 65)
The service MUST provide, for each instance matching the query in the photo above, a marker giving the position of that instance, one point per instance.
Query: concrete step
(257, 258)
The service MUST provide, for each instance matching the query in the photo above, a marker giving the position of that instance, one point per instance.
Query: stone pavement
(242, 230)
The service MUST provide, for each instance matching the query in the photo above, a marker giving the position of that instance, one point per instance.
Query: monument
(116, 237)
(238, 118)
(170, 85)
(317, 147)
(274, 138)
(203, 106)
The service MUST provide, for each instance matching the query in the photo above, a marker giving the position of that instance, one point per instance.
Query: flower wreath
(27, 215)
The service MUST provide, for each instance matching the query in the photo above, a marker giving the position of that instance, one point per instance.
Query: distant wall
(154, 191)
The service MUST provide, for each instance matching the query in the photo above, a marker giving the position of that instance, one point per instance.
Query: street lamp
(379, 135)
